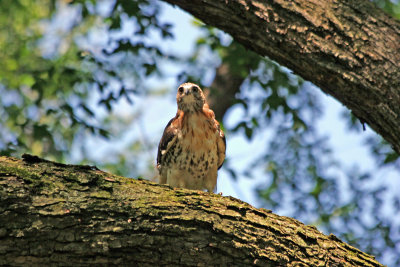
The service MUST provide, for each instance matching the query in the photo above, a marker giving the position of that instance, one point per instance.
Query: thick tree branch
(349, 48)
(59, 214)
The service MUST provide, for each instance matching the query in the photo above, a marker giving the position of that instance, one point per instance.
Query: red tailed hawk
(192, 148)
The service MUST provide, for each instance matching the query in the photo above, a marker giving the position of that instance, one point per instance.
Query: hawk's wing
(221, 146)
(167, 140)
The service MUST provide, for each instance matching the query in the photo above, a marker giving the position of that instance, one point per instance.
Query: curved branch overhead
(56, 214)
(349, 48)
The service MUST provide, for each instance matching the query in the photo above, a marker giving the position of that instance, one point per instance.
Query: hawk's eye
(180, 90)
(194, 89)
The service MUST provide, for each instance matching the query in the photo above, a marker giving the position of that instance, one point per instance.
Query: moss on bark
(52, 213)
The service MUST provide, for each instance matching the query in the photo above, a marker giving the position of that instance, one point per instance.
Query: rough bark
(349, 48)
(58, 214)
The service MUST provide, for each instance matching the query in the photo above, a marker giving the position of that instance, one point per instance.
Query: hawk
(192, 148)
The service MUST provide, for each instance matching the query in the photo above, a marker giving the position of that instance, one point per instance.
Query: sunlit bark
(56, 214)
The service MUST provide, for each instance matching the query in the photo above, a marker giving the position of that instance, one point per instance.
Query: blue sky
(347, 146)
(152, 111)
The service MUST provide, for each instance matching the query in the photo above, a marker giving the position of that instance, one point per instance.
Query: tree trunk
(225, 86)
(58, 214)
(349, 48)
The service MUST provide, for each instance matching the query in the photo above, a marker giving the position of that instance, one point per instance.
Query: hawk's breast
(196, 147)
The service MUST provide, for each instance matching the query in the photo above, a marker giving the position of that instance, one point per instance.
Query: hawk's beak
(187, 91)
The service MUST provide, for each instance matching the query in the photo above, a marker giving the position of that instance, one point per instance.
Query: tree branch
(52, 213)
(349, 48)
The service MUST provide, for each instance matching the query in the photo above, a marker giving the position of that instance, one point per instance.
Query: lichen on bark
(52, 213)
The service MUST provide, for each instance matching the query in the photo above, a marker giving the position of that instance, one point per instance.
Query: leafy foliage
(60, 82)
(53, 71)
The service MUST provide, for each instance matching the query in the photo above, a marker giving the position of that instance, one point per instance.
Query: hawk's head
(190, 97)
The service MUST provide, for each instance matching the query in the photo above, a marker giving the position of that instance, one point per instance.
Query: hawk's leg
(210, 179)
